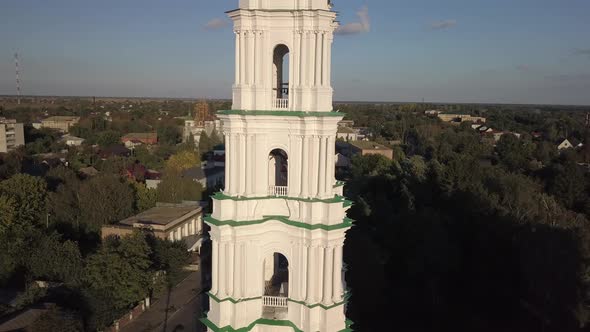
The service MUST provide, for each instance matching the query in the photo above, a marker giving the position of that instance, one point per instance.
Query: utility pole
(16, 63)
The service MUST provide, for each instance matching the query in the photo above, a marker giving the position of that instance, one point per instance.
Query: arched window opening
(276, 286)
(278, 173)
(281, 77)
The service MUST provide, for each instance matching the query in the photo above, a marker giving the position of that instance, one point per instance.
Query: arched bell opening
(281, 77)
(276, 286)
(278, 172)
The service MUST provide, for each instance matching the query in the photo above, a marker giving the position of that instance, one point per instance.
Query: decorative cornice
(220, 196)
(310, 306)
(299, 114)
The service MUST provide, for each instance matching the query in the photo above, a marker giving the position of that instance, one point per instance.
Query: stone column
(248, 165)
(305, 168)
(330, 165)
(251, 66)
(318, 58)
(243, 166)
(214, 266)
(253, 161)
(255, 52)
(326, 60)
(304, 268)
(337, 296)
(322, 176)
(222, 273)
(296, 56)
(311, 268)
(242, 57)
(237, 33)
(319, 275)
(305, 59)
(314, 166)
(226, 189)
(328, 275)
(234, 181)
(231, 268)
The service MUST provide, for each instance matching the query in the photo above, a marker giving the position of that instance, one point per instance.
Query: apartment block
(11, 135)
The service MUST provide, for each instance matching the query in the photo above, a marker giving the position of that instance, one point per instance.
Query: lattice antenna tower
(16, 64)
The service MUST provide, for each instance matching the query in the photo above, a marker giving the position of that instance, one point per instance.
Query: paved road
(184, 310)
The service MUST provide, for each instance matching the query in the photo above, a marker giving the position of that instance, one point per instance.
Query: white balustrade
(281, 103)
(282, 191)
(275, 302)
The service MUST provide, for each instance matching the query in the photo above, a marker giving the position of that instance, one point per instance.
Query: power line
(16, 63)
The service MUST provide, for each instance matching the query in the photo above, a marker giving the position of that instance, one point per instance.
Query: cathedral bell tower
(278, 227)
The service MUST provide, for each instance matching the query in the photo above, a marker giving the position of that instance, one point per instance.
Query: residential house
(346, 123)
(133, 140)
(114, 151)
(72, 140)
(458, 118)
(565, 144)
(347, 133)
(175, 222)
(60, 123)
(366, 147)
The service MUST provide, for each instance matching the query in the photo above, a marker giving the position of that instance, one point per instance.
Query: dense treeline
(459, 235)
(50, 231)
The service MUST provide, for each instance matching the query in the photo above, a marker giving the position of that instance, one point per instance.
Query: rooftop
(345, 130)
(368, 145)
(62, 118)
(7, 121)
(162, 215)
(140, 136)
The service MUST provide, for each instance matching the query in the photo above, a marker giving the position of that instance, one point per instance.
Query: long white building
(279, 226)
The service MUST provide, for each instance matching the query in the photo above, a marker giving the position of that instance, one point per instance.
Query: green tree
(50, 259)
(182, 161)
(106, 199)
(170, 257)
(57, 320)
(120, 271)
(109, 138)
(28, 194)
(175, 189)
(205, 143)
(514, 153)
(8, 212)
(145, 198)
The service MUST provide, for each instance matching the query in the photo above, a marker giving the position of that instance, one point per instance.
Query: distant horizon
(454, 51)
(335, 101)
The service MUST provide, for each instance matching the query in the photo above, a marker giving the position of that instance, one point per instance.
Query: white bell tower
(279, 226)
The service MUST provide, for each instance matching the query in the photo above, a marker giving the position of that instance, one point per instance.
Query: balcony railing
(275, 302)
(278, 191)
(281, 104)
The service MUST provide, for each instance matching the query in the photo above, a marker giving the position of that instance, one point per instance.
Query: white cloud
(523, 67)
(582, 51)
(216, 24)
(362, 26)
(442, 25)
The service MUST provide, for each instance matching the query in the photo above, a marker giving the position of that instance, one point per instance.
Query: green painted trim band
(336, 199)
(311, 306)
(232, 300)
(318, 304)
(261, 321)
(339, 184)
(347, 223)
(299, 114)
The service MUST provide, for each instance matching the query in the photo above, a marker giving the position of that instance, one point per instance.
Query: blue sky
(505, 51)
